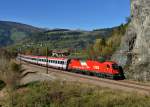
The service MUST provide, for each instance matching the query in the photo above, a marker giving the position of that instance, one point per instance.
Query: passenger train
(106, 69)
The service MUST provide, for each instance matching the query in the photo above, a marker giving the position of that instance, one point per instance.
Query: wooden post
(47, 55)
(46, 59)
(20, 55)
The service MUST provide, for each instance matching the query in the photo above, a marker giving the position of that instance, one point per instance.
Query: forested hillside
(12, 32)
(63, 38)
(98, 42)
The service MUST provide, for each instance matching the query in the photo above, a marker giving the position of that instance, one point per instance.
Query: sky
(70, 14)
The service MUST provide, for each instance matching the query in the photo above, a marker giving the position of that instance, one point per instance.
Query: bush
(10, 75)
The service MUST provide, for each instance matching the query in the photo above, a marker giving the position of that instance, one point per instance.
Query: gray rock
(137, 42)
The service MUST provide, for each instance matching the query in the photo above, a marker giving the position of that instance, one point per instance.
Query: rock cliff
(135, 46)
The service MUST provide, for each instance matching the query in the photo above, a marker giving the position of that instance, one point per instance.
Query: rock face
(136, 42)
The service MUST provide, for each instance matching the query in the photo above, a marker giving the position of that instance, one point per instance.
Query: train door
(108, 68)
(67, 65)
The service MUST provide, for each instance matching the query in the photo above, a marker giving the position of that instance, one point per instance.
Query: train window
(62, 62)
(33, 59)
(115, 66)
(108, 66)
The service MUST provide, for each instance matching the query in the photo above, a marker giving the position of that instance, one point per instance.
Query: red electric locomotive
(105, 69)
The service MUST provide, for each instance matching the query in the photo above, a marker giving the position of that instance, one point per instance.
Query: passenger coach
(59, 63)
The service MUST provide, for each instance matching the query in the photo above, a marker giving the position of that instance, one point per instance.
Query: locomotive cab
(117, 71)
(115, 67)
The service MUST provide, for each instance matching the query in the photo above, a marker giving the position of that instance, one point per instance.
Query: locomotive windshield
(115, 66)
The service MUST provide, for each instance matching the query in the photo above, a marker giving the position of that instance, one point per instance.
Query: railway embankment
(124, 85)
(62, 88)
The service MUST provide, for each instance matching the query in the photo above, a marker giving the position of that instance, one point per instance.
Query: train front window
(115, 66)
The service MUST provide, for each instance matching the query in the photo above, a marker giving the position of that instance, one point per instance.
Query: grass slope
(70, 94)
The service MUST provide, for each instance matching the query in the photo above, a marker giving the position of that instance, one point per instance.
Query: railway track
(124, 85)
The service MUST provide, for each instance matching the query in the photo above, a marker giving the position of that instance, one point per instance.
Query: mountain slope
(64, 38)
(12, 32)
(22, 35)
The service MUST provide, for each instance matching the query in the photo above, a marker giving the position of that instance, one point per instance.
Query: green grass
(71, 94)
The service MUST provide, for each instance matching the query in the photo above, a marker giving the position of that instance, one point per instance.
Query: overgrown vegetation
(71, 94)
(10, 75)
